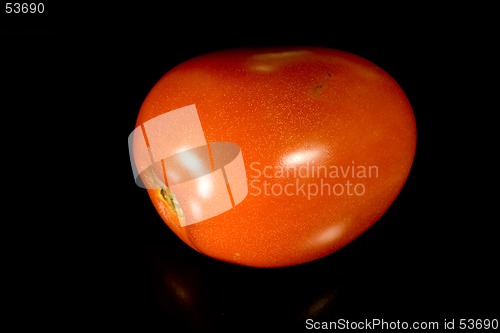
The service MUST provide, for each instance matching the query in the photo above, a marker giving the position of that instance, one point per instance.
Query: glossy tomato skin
(287, 108)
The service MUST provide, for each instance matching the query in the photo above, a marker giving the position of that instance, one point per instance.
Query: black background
(92, 240)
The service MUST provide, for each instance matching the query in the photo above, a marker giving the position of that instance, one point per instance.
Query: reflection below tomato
(202, 294)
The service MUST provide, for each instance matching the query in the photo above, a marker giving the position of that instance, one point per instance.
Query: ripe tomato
(326, 140)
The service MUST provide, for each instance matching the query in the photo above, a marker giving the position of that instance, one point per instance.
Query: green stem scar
(171, 199)
(151, 180)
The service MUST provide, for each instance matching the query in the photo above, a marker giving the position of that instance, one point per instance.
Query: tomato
(314, 144)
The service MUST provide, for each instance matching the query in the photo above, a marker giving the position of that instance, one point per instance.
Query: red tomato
(327, 140)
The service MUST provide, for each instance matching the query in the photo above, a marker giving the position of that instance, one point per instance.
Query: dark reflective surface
(198, 293)
(403, 268)
(432, 256)
(94, 254)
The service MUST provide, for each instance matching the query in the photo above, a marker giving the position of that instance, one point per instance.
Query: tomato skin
(321, 106)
